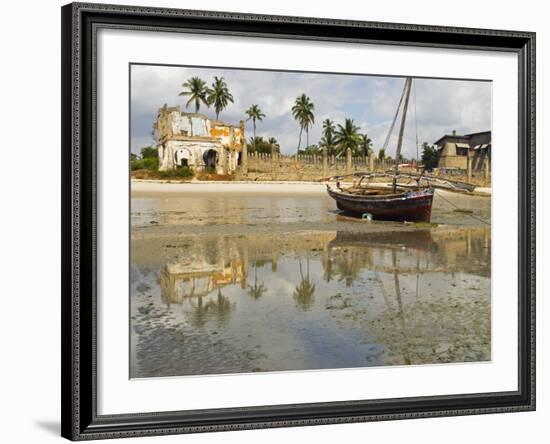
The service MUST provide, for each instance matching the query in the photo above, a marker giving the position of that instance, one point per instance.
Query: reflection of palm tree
(222, 307)
(348, 268)
(219, 309)
(303, 294)
(199, 315)
(256, 291)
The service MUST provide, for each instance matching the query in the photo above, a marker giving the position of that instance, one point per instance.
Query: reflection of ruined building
(220, 261)
(193, 140)
(455, 151)
(181, 279)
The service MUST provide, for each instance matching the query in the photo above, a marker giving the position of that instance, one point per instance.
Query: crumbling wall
(312, 167)
(186, 138)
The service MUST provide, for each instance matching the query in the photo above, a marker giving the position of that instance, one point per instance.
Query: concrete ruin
(469, 152)
(192, 140)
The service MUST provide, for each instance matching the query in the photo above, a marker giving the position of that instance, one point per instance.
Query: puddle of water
(273, 296)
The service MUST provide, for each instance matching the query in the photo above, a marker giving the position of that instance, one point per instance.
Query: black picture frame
(80, 22)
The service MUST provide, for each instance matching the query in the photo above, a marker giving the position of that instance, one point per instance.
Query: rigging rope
(455, 206)
(394, 119)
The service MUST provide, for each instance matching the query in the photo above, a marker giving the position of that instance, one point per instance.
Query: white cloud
(441, 105)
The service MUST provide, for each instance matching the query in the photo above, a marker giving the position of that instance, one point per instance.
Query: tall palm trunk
(300, 137)
(254, 126)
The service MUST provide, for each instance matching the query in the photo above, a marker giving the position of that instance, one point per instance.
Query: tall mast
(408, 83)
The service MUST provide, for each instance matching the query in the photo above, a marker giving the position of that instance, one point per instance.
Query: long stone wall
(262, 166)
(265, 166)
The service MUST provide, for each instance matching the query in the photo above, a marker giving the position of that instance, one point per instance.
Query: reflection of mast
(406, 354)
(417, 273)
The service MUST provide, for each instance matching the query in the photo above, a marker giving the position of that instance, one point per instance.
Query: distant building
(192, 140)
(454, 151)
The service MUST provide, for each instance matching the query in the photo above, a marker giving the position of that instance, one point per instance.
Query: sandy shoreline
(155, 187)
(143, 187)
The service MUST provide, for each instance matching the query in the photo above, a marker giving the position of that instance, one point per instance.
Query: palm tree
(347, 136)
(219, 95)
(254, 113)
(256, 291)
(275, 146)
(328, 136)
(197, 92)
(365, 144)
(304, 291)
(303, 113)
(328, 128)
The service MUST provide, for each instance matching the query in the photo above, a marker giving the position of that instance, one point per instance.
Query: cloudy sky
(441, 105)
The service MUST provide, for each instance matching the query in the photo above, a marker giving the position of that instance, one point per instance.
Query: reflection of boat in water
(384, 204)
(411, 240)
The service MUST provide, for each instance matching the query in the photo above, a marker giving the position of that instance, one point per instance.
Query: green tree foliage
(274, 144)
(149, 159)
(382, 154)
(178, 173)
(430, 156)
(365, 145)
(303, 113)
(149, 151)
(260, 145)
(327, 141)
(148, 163)
(219, 96)
(312, 149)
(347, 136)
(197, 91)
(254, 113)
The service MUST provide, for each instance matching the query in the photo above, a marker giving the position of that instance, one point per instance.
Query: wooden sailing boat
(398, 203)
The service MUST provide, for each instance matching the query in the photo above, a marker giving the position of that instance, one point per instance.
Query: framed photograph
(282, 221)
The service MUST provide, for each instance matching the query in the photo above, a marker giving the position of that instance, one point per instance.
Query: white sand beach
(144, 187)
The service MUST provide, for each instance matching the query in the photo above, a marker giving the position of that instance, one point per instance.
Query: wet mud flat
(247, 283)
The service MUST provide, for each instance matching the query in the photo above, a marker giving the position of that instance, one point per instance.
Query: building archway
(182, 157)
(210, 158)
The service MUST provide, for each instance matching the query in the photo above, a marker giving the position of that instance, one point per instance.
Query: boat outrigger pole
(407, 91)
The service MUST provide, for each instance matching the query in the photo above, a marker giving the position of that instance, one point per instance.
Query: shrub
(148, 163)
(149, 152)
(179, 173)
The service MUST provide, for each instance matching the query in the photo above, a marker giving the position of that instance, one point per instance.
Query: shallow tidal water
(247, 283)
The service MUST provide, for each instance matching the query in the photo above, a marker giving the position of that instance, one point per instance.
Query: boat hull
(414, 206)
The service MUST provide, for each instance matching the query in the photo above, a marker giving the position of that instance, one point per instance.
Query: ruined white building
(193, 140)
